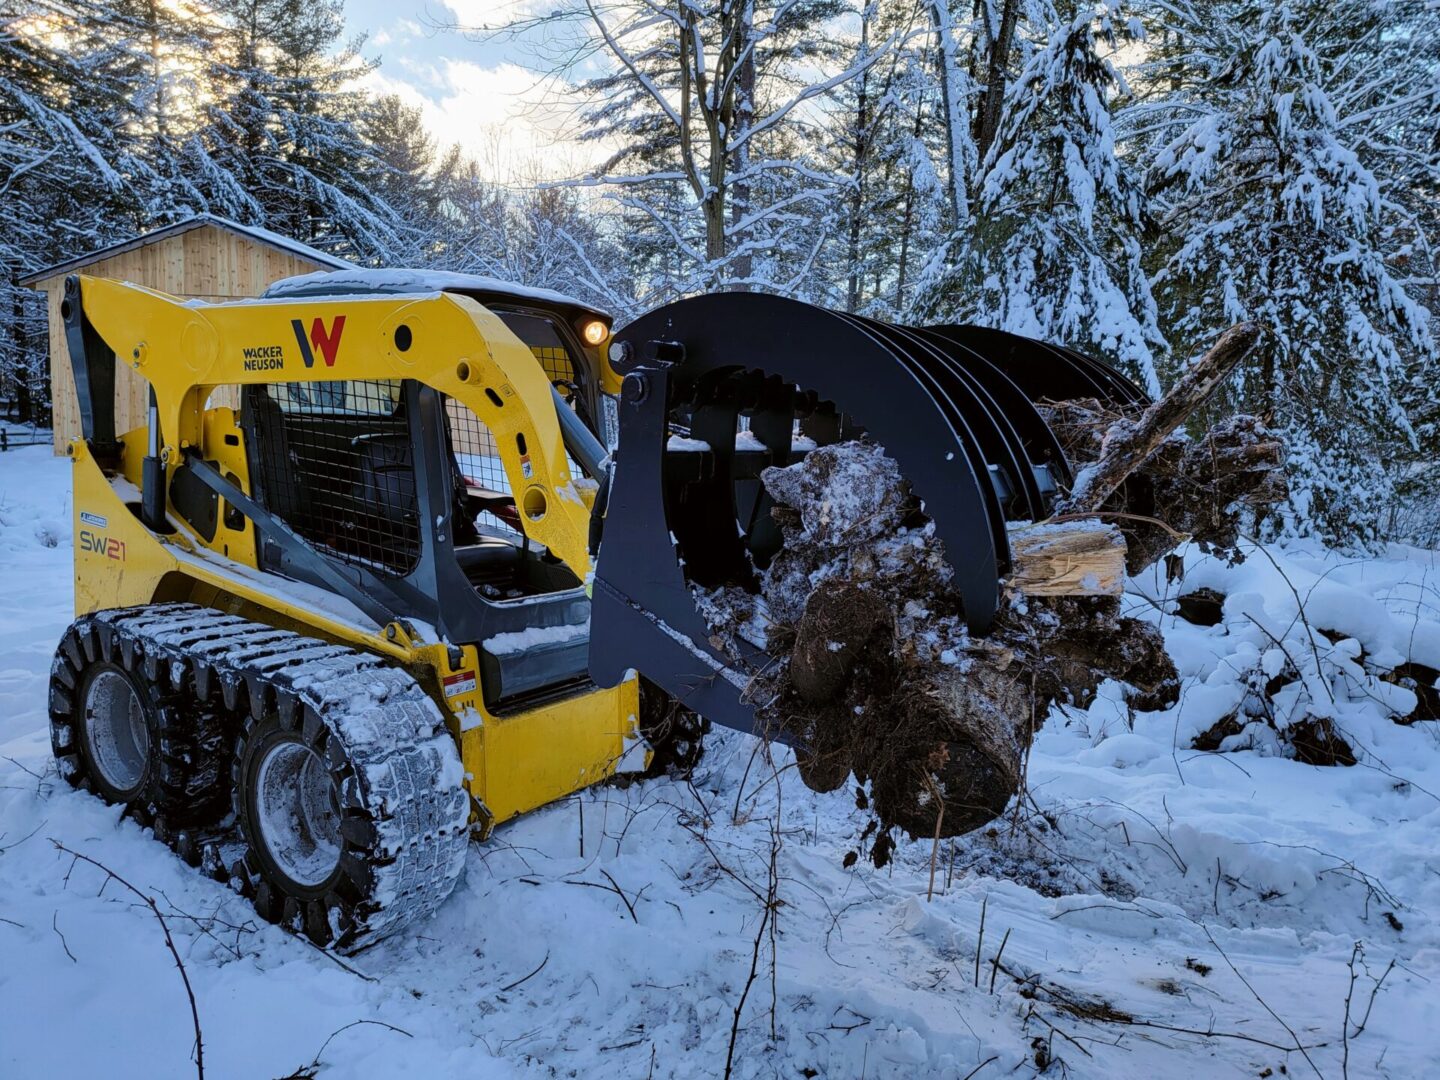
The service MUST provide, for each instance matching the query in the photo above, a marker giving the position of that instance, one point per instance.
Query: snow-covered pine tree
(153, 52)
(67, 174)
(561, 243)
(1400, 142)
(1053, 248)
(285, 122)
(401, 171)
(1269, 211)
(891, 200)
(470, 216)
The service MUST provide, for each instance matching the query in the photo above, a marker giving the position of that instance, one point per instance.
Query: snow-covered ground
(1162, 912)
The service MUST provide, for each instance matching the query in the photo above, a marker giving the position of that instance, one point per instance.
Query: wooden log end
(1073, 558)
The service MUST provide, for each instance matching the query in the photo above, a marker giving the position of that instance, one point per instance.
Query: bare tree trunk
(862, 152)
(742, 116)
(696, 95)
(987, 117)
(908, 220)
(944, 48)
(1126, 448)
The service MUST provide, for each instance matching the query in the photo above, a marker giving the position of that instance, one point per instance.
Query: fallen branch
(309, 1072)
(110, 875)
(612, 887)
(1358, 953)
(1030, 986)
(995, 963)
(55, 925)
(1263, 1003)
(980, 940)
(527, 978)
(1127, 447)
(767, 914)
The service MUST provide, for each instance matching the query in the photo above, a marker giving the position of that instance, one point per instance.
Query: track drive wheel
(352, 825)
(118, 728)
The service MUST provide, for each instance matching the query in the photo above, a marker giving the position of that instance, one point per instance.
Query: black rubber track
(396, 768)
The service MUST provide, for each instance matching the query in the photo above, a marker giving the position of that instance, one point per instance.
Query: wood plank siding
(208, 262)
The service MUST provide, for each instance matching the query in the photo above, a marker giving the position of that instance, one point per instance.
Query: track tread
(401, 782)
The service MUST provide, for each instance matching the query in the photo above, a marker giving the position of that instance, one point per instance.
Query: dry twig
(149, 901)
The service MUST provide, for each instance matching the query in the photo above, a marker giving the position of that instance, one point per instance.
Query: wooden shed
(204, 257)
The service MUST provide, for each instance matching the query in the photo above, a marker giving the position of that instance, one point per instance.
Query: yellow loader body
(514, 761)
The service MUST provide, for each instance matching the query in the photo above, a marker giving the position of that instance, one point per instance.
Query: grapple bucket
(717, 388)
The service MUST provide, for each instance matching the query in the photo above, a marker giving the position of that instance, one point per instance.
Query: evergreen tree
(66, 173)
(471, 217)
(708, 106)
(1270, 213)
(892, 198)
(402, 155)
(401, 171)
(154, 51)
(1053, 250)
(286, 126)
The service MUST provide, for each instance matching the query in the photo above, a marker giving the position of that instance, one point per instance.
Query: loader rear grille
(542, 337)
(336, 466)
(477, 452)
(556, 362)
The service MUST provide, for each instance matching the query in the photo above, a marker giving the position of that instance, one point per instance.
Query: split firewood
(1071, 558)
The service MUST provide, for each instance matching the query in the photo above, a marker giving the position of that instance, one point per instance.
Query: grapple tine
(998, 441)
(975, 435)
(1041, 446)
(951, 405)
(1122, 390)
(1044, 371)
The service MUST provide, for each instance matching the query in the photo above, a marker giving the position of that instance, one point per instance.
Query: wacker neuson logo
(326, 342)
(320, 340)
(264, 358)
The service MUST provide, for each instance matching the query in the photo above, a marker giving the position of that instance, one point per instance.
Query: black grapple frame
(954, 406)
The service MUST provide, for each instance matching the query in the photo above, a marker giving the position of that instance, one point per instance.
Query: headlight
(595, 332)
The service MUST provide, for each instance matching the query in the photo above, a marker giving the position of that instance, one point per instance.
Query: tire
(288, 801)
(167, 766)
(114, 722)
(354, 820)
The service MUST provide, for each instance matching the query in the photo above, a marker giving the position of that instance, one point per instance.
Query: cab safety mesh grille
(336, 465)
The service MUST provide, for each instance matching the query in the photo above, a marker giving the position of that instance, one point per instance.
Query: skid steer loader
(368, 582)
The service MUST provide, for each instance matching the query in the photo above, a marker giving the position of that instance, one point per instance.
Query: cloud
(497, 12)
(398, 32)
(519, 125)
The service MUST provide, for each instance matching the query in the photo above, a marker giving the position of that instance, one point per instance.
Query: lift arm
(449, 342)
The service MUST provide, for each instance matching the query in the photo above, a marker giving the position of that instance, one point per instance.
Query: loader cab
(404, 487)
(565, 335)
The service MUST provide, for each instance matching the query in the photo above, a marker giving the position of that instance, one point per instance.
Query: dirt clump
(1316, 742)
(875, 672)
(1424, 682)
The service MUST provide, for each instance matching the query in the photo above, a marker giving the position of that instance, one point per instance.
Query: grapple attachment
(717, 388)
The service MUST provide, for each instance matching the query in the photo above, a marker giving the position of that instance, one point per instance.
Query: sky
(490, 96)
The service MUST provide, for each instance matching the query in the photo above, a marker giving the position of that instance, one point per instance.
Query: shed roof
(250, 232)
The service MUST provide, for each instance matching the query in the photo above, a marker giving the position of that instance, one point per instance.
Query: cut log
(1127, 446)
(1076, 558)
